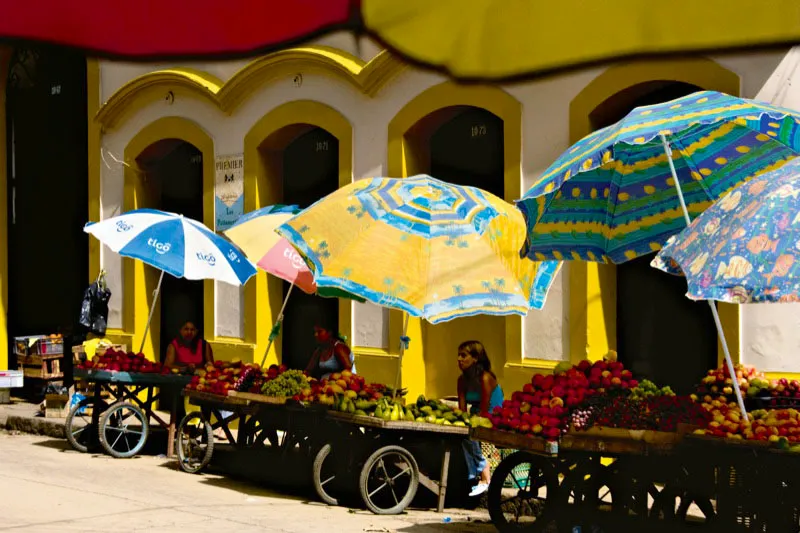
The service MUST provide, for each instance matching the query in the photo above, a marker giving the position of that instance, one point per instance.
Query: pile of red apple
(342, 383)
(542, 408)
(119, 361)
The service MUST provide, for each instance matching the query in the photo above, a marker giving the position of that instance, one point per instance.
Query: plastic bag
(94, 308)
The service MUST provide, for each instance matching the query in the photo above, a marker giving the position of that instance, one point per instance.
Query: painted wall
(545, 133)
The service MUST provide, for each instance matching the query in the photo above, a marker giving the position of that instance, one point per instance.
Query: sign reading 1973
(479, 130)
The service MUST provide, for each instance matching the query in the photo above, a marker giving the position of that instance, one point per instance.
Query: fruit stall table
(262, 420)
(598, 477)
(383, 455)
(95, 417)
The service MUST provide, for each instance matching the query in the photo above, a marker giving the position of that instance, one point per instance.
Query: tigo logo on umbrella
(122, 226)
(208, 258)
(161, 247)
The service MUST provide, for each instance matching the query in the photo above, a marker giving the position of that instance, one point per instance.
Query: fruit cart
(262, 420)
(117, 416)
(383, 460)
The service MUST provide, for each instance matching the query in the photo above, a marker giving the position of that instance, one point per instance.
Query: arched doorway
(661, 334)
(172, 175)
(304, 160)
(462, 145)
(47, 166)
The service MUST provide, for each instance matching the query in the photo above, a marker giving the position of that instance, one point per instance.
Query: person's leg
(469, 458)
(486, 475)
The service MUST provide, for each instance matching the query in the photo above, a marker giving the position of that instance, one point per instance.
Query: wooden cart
(116, 416)
(381, 458)
(262, 421)
(599, 480)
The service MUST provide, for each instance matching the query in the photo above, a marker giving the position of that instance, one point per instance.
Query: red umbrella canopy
(150, 29)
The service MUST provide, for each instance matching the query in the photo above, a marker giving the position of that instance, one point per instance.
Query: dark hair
(334, 331)
(478, 352)
(197, 338)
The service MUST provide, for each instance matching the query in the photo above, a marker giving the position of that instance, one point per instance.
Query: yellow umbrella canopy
(432, 249)
(497, 39)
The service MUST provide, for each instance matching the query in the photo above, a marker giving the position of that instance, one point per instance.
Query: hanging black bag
(94, 308)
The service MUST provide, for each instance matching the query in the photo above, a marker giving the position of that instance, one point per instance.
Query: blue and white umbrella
(173, 243)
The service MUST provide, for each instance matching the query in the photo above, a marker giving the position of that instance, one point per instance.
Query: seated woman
(477, 389)
(331, 356)
(188, 349)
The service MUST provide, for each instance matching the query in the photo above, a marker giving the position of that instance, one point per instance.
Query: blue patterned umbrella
(746, 247)
(613, 196)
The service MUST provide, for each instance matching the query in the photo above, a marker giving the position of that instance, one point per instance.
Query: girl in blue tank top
(479, 391)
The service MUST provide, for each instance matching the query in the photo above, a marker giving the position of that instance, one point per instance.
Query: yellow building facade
(365, 115)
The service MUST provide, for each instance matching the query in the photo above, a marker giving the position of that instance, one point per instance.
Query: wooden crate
(56, 405)
(41, 366)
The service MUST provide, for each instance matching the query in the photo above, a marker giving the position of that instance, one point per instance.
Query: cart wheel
(195, 443)
(389, 480)
(597, 501)
(78, 427)
(672, 505)
(123, 430)
(323, 474)
(523, 493)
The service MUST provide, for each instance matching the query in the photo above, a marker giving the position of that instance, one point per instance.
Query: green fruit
(430, 419)
(360, 412)
(459, 423)
(439, 421)
(427, 409)
(420, 419)
(446, 422)
(450, 417)
(421, 401)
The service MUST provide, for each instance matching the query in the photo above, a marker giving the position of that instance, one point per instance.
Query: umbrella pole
(711, 304)
(152, 309)
(277, 323)
(400, 359)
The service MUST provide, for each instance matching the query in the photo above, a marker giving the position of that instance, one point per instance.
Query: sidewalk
(21, 416)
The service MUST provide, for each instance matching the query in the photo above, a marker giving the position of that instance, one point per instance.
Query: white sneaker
(479, 489)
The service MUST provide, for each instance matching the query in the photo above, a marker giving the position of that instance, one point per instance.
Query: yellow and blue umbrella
(746, 247)
(429, 248)
(613, 196)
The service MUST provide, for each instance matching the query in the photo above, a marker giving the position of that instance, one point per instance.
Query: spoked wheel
(389, 480)
(523, 493)
(81, 433)
(195, 443)
(324, 474)
(676, 509)
(123, 430)
(594, 500)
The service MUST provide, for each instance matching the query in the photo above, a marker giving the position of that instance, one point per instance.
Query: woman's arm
(209, 355)
(312, 363)
(488, 383)
(342, 353)
(169, 360)
(462, 394)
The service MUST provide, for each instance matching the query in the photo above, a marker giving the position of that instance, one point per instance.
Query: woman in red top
(188, 349)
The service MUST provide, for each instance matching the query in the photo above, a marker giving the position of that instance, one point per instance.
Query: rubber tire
(79, 446)
(316, 475)
(363, 479)
(499, 476)
(105, 421)
(209, 435)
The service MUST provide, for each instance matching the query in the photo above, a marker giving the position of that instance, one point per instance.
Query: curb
(36, 426)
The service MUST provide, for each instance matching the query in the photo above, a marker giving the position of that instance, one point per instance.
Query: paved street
(45, 486)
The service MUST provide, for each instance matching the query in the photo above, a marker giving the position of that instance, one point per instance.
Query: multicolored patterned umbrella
(429, 248)
(612, 196)
(254, 233)
(746, 247)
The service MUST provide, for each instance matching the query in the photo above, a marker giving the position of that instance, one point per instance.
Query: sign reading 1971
(228, 189)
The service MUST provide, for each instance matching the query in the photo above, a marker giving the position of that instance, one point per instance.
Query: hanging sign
(228, 189)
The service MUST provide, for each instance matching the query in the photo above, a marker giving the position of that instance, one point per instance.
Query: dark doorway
(174, 175)
(465, 145)
(310, 171)
(46, 132)
(467, 149)
(661, 334)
